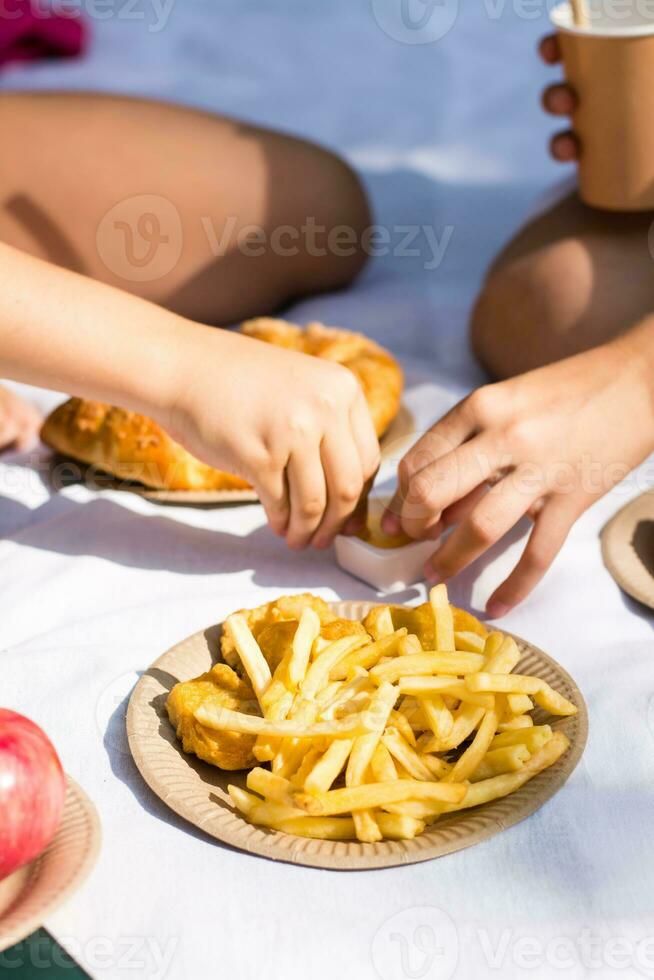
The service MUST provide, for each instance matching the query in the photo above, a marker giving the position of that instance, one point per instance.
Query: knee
(331, 211)
(530, 310)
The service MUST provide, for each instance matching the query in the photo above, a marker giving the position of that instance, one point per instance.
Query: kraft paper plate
(32, 893)
(628, 548)
(198, 792)
(392, 445)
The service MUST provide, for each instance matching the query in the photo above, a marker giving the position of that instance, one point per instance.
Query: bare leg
(569, 281)
(151, 198)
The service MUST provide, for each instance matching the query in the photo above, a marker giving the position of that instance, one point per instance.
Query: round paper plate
(628, 548)
(198, 792)
(32, 893)
(392, 445)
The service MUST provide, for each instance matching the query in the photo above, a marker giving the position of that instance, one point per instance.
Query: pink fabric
(29, 31)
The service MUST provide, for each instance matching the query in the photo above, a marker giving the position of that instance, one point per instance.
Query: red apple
(32, 791)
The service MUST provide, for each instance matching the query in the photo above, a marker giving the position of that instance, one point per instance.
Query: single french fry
(384, 623)
(469, 642)
(409, 644)
(509, 758)
(412, 808)
(242, 800)
(534, 738)
(543, 694)
(466, 718)
(403, 725)
(429, 662)
(365, 745)
(493, 643)
(306, 766)
(437, 767)
(399, 826)
(371, 795)
(269, 785)
(427, 687)
(367, 656)
(318, 673)
(253, 660)
(322, 828)
(382, 765)
(518, 704)
(438, 715)
(493, 789)
(470, 759)
(265, 748)
(328, 767)
(500, 657)
(225, 720)
(511, 723)
(308, 630)
(366, 827)
(405, 755)
(443, 619)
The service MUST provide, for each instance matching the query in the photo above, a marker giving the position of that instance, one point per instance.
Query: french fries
(374, 737)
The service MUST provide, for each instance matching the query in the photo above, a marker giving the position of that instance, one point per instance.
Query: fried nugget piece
(420, 620)
(273, 626)
(221, 686)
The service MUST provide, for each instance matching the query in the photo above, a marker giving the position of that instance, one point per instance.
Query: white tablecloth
(94, 587)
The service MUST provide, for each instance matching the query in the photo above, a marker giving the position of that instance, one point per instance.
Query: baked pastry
(132, 447)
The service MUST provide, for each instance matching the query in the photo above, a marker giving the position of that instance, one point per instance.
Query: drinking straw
(580, 13)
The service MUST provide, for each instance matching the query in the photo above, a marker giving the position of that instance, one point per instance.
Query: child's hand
(19, 422)
(296, 427)
(559, 100)
(547, 443)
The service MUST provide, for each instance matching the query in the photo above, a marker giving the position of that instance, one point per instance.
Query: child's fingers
(441, 440)
(550, 530)
(344, 476)
(365, 437)
(273, 495)
(496, 513)
(307, 495)
(559, 100)
(549, 49)
(447, 480)
(564, 147)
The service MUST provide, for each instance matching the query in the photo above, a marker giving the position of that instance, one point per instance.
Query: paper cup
(610, 65)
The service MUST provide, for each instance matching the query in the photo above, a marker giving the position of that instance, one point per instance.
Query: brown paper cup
(32, 893)
(628, 548)
(610, 65)
(198, 792)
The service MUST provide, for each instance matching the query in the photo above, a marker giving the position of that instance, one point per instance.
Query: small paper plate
(392, 444)
(198, 792)
(628, 548)
(32, 893)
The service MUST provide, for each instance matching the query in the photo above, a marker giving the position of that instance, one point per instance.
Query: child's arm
(296, 427)
(548, 444)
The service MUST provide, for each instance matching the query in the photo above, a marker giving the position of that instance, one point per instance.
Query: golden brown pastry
(132, 447)
(220, 685)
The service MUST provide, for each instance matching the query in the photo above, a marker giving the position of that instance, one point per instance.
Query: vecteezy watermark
(140, 239)
(415, 21)
(137, 955)
(424, 943)
(155, 14)
(420, 943)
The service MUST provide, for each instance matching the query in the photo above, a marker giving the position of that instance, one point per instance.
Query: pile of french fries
(374, 740)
